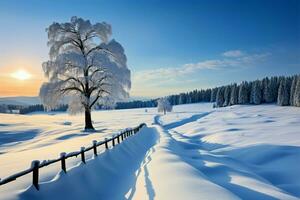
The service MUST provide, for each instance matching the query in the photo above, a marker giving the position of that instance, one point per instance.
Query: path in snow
(183, 165)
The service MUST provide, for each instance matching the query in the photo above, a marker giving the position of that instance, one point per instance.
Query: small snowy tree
(163, 105)
(84, 66)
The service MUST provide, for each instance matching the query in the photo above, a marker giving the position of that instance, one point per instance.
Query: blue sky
(172, 46)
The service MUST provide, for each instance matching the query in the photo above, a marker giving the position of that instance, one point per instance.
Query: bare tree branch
(76, 80)
(64, 90)
(101, 91)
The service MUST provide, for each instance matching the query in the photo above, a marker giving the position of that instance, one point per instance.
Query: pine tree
(256, 93)
(243, 93)
(292, 91)
(267, 96)
(297, 93)
(220, 97)
(283, 93)
(227, 96)
(213, 94)
(234, 95)
(274, 85)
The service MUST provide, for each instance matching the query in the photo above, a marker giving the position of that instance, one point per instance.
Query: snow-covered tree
(227, 96)
(283, 93)
(292, 91)
(213, 94)
(267, 96)
(297, 93)
(234, 95)
(85, 66)
(220, 97)
(256, 93)
(163, 105)
(274, 85)
(243, 93)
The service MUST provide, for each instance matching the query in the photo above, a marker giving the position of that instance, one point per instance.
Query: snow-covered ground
(195, 152)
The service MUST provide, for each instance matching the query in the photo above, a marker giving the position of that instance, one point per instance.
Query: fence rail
(36, 165)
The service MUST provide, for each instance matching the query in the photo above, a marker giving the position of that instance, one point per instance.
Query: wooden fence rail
(36, 165)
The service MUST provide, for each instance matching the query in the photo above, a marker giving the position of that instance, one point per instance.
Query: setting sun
(21, 75)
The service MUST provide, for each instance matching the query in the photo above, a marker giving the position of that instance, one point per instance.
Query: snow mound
(111, 175)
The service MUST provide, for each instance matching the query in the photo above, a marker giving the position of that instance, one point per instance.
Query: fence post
(118, 139)
(63, 161)
(82, 154)
(113, 141)
(122, 136)
(95, 147)
(106, 145)
(35, 173)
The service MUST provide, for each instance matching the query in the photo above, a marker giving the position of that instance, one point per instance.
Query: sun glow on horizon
(21, 75)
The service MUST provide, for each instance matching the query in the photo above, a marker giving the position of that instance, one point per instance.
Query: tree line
(40, 107)
(285, 91)
(136, 104)
(28, 109)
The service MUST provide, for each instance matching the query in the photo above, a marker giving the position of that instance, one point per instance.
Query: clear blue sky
(172, 46)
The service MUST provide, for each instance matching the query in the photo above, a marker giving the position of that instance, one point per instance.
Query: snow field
(195, 152)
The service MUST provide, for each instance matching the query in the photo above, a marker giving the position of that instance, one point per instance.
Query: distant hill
(21, 100)
(27, 101)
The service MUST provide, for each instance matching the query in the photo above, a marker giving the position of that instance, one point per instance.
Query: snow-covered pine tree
(283, 93)
(256, 93)
(293, 89)
(234, 94)
(297, 93)
(188, 99)
(274, 85)
(267, 96)
(243, 93)
(220, 97)
(213, 94)
(227, 96)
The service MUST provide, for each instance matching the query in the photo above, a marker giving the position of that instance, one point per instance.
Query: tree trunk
(88, 120)
(164, 111)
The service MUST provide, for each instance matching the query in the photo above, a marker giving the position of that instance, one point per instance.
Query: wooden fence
(36, 165)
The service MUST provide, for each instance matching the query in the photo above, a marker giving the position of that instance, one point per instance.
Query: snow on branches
(163, 105)
(85, 66)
